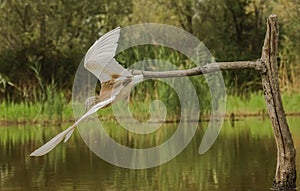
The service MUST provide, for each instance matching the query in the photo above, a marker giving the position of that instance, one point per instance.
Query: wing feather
(68, 132)
(99, 59)
(51, 144)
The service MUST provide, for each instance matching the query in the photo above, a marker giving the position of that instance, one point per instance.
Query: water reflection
(243, 158)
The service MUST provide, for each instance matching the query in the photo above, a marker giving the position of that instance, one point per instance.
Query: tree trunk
(285, 177)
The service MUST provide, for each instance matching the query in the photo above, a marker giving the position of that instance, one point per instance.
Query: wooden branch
(208, 68)
(285, 177)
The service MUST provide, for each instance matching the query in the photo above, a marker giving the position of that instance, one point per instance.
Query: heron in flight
(116, 83)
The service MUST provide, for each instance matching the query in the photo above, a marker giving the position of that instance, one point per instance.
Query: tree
(289, 52)
(233, 30)
(53, 35)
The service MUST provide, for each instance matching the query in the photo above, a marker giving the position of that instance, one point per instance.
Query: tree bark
(285, 176)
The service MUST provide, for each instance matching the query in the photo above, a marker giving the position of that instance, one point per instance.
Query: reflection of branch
(208, 68)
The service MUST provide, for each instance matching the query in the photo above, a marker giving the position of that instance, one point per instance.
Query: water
(243, 158)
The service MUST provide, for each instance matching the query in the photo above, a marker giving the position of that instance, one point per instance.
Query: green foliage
(234, 30)
(4, 82)
(155, 89)
(51, 35)
(42, 43)
(54, 111)
(289, 49)
(255, 103)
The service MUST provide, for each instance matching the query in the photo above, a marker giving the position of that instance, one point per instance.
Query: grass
(252, 104)
(49, 106)
(35, 112)
(255, 103)
(56, 109)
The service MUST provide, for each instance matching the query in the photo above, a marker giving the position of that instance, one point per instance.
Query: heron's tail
(53, 142)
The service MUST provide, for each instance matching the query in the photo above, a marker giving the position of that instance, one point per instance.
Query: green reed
(53, 109)
(46, 102)
(255, 102)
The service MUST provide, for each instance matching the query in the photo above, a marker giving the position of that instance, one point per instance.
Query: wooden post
(285, 177)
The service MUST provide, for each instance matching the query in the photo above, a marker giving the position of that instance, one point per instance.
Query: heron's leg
(131, 71)
(90, 102)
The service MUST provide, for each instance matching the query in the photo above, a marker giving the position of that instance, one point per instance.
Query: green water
(242, 158)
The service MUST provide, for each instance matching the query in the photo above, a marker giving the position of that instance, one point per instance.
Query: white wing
(68, 132)
(99, 59)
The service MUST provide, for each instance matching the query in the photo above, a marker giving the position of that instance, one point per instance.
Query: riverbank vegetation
(57, 110)
(42, 43)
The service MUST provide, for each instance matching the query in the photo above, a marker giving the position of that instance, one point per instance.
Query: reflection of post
(232, 119)
(285, 177)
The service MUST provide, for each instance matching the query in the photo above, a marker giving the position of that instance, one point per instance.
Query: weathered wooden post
(285, 177)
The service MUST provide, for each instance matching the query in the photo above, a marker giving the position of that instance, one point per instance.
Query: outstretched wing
(100, 61)
(66, 134)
